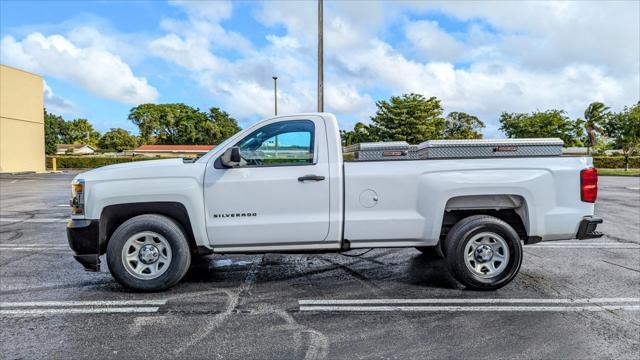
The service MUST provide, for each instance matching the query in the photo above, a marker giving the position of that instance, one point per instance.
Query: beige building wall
(21, 121)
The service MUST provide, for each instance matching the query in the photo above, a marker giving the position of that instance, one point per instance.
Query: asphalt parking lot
(571, 299)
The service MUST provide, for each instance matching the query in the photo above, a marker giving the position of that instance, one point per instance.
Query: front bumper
(84, 240)
(587, 228)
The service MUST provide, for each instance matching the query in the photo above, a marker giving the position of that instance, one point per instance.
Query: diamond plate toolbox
(488, 148)
(375, 151)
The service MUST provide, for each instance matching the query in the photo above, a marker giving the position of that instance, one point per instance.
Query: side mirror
(231, 157)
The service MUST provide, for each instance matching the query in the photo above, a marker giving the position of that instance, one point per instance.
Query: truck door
(278, 195)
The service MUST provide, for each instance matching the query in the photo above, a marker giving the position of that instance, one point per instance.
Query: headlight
(77, 197)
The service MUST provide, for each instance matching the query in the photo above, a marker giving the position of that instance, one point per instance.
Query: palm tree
(594, 115)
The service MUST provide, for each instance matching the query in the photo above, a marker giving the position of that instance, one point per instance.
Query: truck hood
(143, 169)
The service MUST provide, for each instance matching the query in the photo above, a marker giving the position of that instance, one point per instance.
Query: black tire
(463, 232)
(433, 252)
(167, 228)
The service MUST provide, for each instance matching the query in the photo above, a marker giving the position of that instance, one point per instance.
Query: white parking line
(470, 305)
(473, 308)
(584, 246)
(37, 308)
(467, 301)
(32, 245)
(38, 220)
(108, 310)
(83, 303)
(20, 248)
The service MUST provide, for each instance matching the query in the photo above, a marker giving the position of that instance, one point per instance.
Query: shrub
(615, 162)
(90, 162)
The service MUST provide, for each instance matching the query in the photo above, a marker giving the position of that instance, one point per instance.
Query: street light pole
(320, 60)
(275, 95)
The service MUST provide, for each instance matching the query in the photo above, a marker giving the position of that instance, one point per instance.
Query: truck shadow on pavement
(416, 270)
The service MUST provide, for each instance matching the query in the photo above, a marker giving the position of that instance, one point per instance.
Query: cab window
(280, 143)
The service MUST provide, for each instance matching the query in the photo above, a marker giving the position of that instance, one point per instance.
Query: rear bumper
(83, 236)
(587, 228)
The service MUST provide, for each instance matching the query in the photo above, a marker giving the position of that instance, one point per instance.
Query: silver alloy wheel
(146, 255)
(486, 254)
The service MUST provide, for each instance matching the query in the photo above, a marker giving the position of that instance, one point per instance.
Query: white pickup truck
(281, 185)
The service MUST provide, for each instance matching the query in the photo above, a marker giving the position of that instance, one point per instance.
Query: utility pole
(320, 60)
(275, 106)
(275, 95)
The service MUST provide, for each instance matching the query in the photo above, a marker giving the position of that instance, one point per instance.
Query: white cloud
(212, 10)
(191, 53)
(432, 42)
(518, 56)
(202, 26)
(99, 71)
(555, 33)
(243, 86)
(343, 98)
(55, 103)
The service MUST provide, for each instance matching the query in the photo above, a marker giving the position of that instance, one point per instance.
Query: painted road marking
(34, 249)
(38, 220)
(83, 303)
(468, 301)
(32, 245)
(113, 310)
(470, 305)
(36, 308)
(473, 308)
(586, 246)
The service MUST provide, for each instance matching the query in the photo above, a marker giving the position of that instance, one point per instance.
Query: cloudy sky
(101, 58)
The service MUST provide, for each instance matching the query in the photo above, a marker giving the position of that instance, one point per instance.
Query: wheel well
(508, 208)
(114, 215)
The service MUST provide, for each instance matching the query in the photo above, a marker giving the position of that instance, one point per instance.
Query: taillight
(589, 185)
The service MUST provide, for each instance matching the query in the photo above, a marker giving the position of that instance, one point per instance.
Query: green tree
(117, 139)
(624, 129)
(167, 123)
(595, 114)
(80, 131)
(54, 131)
(542, 124)
(360, 133)
(182, 124)
(222, 125)
(459, 125)
(410, 117)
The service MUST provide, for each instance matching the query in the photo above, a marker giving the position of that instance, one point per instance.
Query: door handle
(311, 178)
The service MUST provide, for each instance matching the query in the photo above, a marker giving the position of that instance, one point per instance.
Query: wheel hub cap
(146, 255)
(484, 253)
(149, 254)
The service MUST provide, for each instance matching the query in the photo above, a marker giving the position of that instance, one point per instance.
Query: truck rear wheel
(148, 253)
(483, 252)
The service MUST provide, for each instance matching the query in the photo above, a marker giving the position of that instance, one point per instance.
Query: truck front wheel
(483, 252)
(148, 253)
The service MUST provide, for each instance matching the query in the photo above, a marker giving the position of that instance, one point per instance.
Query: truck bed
(406, 200)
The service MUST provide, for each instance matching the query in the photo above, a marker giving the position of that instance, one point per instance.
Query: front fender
(184, 190)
